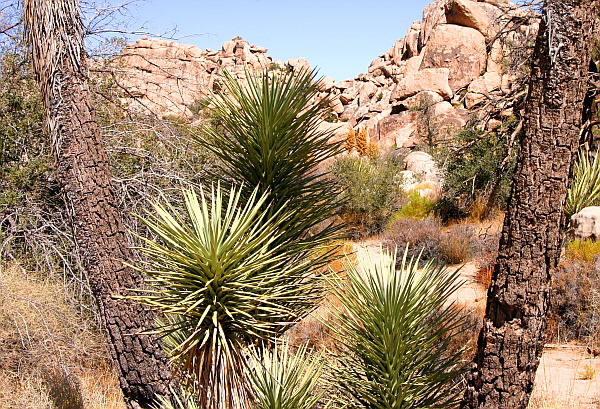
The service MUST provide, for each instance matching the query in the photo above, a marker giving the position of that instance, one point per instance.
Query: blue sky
(341, 38)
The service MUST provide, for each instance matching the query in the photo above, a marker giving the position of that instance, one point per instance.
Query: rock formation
(455, 60)
(586, 224)
(169, 78)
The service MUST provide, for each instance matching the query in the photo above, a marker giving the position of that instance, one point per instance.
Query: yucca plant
(268, 137)
(179, 398)
(585, 188)
(394, 330)
(284, 378)
(223, 283)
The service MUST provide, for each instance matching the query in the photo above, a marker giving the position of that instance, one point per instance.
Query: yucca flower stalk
(284, 377)
(224, 283)
(585, 188)
(268, 137)
(393, 329)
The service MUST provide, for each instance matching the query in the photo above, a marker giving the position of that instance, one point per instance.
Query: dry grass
(316, 328)
(50, 355)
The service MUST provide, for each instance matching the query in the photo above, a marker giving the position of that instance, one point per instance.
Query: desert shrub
(463, 342)
(477, 166)
(427, 237)
(485, 259)
(148, 157)
(456, 243)
(583, 250)
(416, 207)
(575, 301)
(64, 391)
(421, 236)
(370, 190)
(575, 298)
(52, 356)
(31, 208)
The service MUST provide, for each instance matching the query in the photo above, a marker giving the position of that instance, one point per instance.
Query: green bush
(416, 207)
(371, 191)
(269, 138)
(242, 266)
(583, 250)
(478, 166)
(225, 282)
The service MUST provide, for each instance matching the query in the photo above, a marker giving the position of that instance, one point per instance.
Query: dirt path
(560, 380)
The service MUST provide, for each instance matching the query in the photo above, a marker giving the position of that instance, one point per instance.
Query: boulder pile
(454, 61)
(169, 78)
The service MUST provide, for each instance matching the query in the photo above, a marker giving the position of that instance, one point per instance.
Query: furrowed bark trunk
(511, 341)
(55, 34)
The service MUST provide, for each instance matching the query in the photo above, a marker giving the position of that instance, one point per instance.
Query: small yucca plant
(284, 378)
(585, 189)
(223, 283)
(394, 330)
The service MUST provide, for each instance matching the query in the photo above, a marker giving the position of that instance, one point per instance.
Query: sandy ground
(567, 378)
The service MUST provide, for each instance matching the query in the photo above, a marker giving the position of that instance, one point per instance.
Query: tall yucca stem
(55, 35)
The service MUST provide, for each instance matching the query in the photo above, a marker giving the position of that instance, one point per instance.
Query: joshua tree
(55, 35)
(512, 338)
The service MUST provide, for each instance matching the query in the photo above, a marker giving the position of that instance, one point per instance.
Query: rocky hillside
(462, 56)
(169, 78)
(457, 59)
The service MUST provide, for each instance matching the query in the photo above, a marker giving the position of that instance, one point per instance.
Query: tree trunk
(55, 34)
(511, 341)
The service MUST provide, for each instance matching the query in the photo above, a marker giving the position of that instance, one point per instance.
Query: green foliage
(31, 207)
(583, 250)
(478, 167)
(182, 398)
(226, 280)
(25, 160)
(587, 373)
(417, 207)
(585, 189)
(394, 330)
(269, 139)
(285, 379)
(228, 276)
(371, 191)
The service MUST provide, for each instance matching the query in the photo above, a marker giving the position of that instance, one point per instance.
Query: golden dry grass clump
(51, 356)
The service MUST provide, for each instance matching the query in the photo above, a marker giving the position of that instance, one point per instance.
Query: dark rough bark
(55, 35)
(511, 341)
